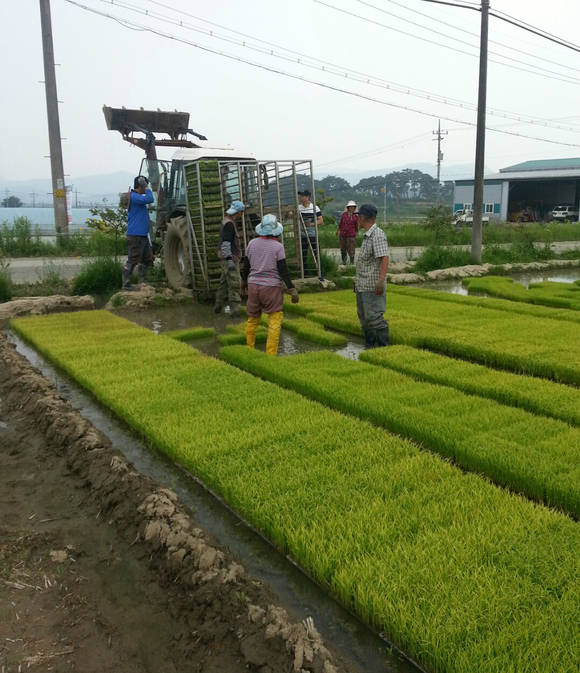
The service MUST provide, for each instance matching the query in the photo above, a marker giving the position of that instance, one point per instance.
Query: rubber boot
(274, 326)
(251, 327)
(352, 260)
(370, 338)
(343, 255)
(383, 336)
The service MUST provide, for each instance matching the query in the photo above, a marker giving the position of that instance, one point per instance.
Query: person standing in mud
(264, 269)
(370, 279)
(139, 250)
(230, 254)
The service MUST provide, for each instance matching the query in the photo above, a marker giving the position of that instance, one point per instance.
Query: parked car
(466, 217)
(565, 213)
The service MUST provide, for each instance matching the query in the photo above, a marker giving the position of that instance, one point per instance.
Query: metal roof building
(534, 187)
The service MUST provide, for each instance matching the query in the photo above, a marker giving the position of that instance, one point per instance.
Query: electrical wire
(561, 77)
(337, 70)
(270, 69)
(468, 32)
(377, 151)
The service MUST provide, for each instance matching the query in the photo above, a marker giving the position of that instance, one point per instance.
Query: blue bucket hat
(269, 226)
(236, 207)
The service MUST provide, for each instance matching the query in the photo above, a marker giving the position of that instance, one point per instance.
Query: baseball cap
(235, 207)
(367, 210)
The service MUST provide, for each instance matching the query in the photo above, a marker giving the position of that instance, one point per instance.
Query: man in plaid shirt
(370, 280)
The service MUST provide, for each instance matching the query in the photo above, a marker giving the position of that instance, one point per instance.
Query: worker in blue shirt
(139, 249)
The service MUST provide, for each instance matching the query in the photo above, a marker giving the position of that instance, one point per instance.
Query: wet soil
(102, 569)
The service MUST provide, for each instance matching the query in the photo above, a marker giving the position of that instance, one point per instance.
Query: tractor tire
(176, 254)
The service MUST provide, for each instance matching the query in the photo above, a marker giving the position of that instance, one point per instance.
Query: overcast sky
(270, 115)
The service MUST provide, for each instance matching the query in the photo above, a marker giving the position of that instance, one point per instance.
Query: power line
(333, 69)
(468, 32)
(516, 22)
(456, 39)
(561, 77)
(376, 151)
(130, 24)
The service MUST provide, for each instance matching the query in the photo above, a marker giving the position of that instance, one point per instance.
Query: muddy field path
(102, 570)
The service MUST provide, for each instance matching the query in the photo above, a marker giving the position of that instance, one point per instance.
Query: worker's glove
(379, 287)
(294, 295)
(231, 264)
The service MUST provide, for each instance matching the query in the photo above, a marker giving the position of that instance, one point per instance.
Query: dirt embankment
(103, 570)
(39, 305)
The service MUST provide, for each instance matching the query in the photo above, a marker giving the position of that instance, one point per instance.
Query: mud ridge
(208, 580)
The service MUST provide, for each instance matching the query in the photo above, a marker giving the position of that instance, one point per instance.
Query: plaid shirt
(373, 248)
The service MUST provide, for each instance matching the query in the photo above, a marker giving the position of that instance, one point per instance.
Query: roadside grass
(462, 575)
(548, 293)
(538, 396)
(533, 455)
(190, 333)
(529, 344)
(100, 277)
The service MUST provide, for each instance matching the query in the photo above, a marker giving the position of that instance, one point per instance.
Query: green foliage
(464, 576)
(191, 333)
(11, 202)
(440, 222)
(539, 396)
(99, 277)
(533, 455)
(5, 282)
(328, 265)
(440, 257)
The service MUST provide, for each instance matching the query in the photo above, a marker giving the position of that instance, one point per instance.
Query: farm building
(526, 191)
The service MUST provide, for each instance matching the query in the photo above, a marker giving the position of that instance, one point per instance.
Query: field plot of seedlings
(534, 455)
(462, 575)
(540, 396)
(547, 293)
(515, 341)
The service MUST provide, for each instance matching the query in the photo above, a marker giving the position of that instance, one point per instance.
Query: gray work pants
(371, 314)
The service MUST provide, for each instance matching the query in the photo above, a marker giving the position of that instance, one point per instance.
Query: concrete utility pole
(439, 133)
(56, 165)
(480, 140)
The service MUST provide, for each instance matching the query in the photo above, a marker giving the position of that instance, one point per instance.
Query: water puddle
(362, 649)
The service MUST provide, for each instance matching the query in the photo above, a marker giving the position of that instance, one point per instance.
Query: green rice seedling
(539, 396)
(516, 341)
(236, 334)
(556, 295)
(534, 455)
(464, 576)
(311, 331)
(191, 333)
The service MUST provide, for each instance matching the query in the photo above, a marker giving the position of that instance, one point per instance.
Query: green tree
(11, 202)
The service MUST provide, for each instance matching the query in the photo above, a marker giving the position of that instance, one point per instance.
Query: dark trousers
(371, 313)
(305, 248)
(139, 251)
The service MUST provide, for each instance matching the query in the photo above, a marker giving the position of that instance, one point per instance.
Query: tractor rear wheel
(176, 254)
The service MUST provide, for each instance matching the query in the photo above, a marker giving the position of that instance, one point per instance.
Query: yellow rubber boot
(274, 326)
(251, 327)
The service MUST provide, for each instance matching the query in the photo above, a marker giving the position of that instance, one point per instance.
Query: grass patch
(100, 277)
(460, 574)
(312, 331)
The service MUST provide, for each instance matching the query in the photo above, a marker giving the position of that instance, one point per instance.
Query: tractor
(196, 186)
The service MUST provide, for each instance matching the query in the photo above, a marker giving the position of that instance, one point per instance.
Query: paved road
(33, 269)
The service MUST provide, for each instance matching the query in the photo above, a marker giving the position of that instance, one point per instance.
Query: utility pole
(33, 195)
(480, 139)
(56, 165)
(439, 133)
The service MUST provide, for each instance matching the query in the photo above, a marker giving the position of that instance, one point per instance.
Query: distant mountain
(90, 188)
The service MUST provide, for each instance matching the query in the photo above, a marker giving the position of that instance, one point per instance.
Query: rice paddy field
(558, 295)
(434, 498)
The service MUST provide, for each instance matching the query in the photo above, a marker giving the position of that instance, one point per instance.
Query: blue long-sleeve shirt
(138, 215)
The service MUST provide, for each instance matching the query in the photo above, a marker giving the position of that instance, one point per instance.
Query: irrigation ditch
(224, 558)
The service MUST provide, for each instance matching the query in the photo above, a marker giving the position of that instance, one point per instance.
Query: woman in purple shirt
(264, 269)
